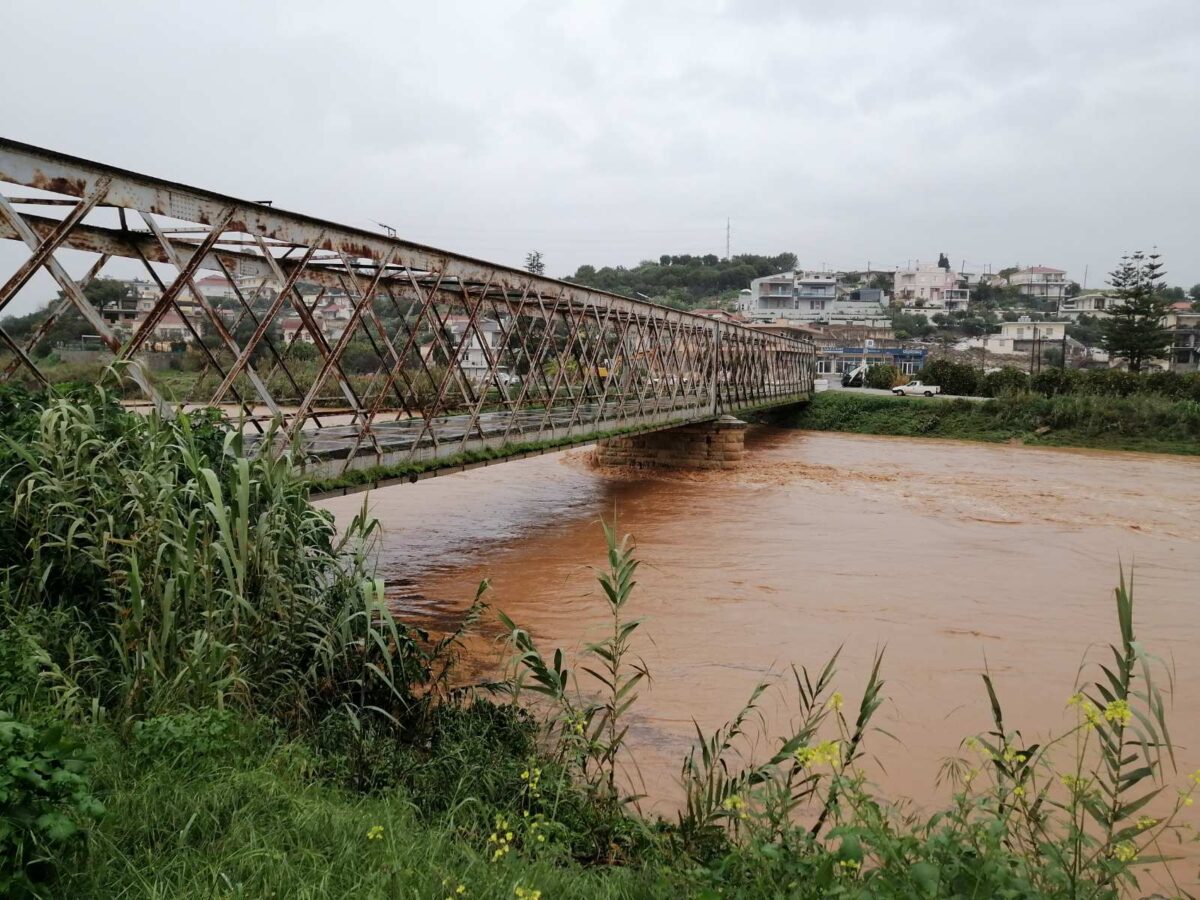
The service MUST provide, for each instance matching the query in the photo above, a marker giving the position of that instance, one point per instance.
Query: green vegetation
(1133, 329)
(966, 380)
(1141, 422)
(204, 694)
(685, 281)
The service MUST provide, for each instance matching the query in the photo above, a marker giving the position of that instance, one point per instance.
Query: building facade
(1184, 325)
(1086, 305)
(1040, 282)
(928, 286)
(810, 297)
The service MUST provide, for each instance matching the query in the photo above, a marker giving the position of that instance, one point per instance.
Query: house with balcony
(1094, 304)
(1184, 324)
(932, 287)
(1040, 282)
(810, 297)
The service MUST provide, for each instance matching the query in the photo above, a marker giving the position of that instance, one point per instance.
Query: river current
(949, 556)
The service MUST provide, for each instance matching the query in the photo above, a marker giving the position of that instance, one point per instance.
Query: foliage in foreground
(204, 694)
(1131, 423)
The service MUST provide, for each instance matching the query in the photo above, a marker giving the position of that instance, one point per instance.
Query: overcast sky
(1015, 132)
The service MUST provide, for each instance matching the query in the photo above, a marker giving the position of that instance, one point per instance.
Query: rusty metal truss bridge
(359, 348)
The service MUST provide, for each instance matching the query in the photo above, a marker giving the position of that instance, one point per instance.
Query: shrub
(1051, 382)
(883, 376)
(45, 798)
(1008, 380)
(951, 377)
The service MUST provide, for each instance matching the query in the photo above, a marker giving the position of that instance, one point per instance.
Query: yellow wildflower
(375, 833)
(1076, 699)
(850, 866)
(525, 775)
(527, 893)
(1118, 711)
(1018, 791)
(1195, 777)
(824, 752)
(735, 804)
(1091, 715)
(1146, 822)
(836, 701)
(1188, 801)
(1125, 852)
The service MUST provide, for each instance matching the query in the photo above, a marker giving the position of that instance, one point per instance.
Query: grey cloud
(605, 133)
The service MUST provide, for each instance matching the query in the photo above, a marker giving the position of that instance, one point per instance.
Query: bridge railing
(368, 348)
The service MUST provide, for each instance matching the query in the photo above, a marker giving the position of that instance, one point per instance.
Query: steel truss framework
(439, 353)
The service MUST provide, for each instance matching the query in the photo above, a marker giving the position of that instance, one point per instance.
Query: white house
(1041, 282)
(810, 297)
(1086, 305)
(1026, 330)
(474, 358)
(927, 286)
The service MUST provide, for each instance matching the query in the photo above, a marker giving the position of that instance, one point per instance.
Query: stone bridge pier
(719, 444)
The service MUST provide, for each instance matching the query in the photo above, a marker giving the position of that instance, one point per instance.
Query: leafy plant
(45, 798)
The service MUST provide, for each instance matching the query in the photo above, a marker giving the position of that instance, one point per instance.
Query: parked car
(916, 388)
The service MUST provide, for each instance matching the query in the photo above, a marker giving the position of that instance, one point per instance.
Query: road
(882, 393)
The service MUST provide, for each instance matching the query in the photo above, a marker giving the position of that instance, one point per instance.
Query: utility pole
(727, 244)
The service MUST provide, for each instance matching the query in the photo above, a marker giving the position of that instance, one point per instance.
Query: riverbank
(1144, 423)
(204, 692)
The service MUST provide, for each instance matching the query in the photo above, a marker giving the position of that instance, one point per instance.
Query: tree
(534, 263)
(1073, 289)
(1194, 293)
(1134, 328)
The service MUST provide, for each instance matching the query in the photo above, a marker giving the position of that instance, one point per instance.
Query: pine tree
(1133, 330)
(534, 263)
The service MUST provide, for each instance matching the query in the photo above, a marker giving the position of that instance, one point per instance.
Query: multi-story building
(1184, 324)
(927, 286)
(1041, 282)
(810, 297)
(1086, 305)
(842, 349)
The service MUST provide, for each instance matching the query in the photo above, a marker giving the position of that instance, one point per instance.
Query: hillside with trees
(685, 281)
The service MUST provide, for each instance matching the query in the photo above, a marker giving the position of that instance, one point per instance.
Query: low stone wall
(720, 444)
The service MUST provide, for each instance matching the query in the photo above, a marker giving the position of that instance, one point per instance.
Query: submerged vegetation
(203, 693)
(1139, 422)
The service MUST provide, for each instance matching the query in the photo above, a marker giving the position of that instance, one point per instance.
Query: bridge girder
(413, 353)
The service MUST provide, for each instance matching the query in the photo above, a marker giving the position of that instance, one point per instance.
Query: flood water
(948, 555)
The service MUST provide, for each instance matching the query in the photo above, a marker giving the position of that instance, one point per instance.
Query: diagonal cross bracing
(381, 350)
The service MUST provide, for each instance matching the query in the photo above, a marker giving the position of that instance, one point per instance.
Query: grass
(203, 694)
(1141, 422)
(251, 821)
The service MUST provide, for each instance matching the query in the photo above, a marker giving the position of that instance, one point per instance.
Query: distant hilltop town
(1014, 317)
(1019, 316)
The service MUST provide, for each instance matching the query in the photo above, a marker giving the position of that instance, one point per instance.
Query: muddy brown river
(949, 555)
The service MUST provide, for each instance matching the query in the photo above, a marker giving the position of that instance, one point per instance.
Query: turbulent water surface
(950, 556)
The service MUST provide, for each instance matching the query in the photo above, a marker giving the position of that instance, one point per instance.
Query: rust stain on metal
(469, 356)
(74, 187)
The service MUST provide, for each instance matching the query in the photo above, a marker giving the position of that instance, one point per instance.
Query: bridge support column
(719, 444)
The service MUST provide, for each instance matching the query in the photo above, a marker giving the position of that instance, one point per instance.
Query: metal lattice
(369, 349)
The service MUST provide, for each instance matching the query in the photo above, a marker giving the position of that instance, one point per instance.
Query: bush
(45, 797)
(883, 377)
(1052, 382)
(1008, 380)
(951, 377)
